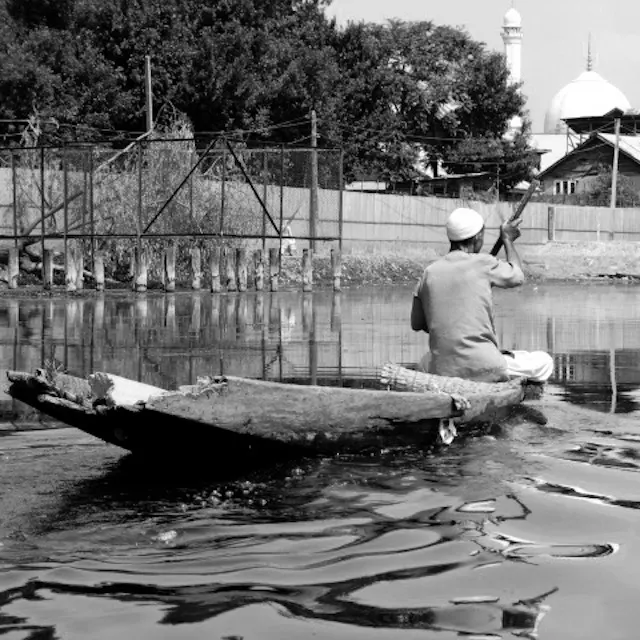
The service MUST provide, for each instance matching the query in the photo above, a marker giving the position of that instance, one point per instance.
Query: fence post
(307, 270)
(14, 188)
(341, 201)
(336, 268)
(80, 265)
(47, 269)
(42, 203)
(140, 280)
(274, 268)
(14, 267)
(551, 224)
(65, 205)
(214, 269)
(170, 267)
(230, 270)
(92, 223)
(265, 195)
(196, 268)
(223, 187)
(313, 186)
(241, 268)
(98, 270)
(613, 226)
(259, 270)
(71, 266)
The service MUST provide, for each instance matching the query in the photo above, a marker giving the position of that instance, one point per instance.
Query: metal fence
(159, 188)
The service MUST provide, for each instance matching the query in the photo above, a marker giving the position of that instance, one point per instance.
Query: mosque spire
(512, 38)
(589, 55)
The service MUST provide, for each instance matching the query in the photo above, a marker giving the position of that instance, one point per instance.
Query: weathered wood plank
(290, 412)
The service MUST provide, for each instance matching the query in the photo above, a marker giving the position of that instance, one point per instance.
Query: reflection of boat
(230, 416)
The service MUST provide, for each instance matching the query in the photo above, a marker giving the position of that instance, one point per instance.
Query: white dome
(588, 95)
(512, 18)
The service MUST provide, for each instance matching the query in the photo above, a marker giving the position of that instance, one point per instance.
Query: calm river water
(529, 532)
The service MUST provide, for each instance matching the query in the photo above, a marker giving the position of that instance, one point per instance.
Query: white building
(588, 95)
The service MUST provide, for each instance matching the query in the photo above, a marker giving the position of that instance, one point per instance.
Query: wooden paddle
(517, 213)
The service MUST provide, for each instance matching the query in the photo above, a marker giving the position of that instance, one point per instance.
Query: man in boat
(453, 304)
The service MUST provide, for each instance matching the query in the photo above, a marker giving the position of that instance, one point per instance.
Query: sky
(555, 37)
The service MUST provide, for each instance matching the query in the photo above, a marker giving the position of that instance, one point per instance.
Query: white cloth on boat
(447, 431)
(536, 366)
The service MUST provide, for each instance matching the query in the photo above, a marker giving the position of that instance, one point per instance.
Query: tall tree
(422, 92)
(397, 97)
(264, 64)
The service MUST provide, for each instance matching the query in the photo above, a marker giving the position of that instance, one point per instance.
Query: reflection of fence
(170, 340)
(167, 188)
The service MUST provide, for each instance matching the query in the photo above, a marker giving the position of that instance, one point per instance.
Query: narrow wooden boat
(226, 416)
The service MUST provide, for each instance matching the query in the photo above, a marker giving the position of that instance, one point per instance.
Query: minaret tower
(512, 38)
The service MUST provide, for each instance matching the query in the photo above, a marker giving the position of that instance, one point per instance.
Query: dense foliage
(396, 97)
(598, 191)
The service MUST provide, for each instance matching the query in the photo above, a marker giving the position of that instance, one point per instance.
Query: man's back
(455, 293)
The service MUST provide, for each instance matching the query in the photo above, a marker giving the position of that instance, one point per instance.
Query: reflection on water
(527, 533)
(168, 340)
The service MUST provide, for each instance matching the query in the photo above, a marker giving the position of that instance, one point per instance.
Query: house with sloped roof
(572, 173)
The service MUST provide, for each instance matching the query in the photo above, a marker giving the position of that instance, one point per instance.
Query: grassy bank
(552, 261)
(583, 261)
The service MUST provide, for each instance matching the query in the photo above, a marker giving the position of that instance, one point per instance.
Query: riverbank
(583, 261)
(550, 262)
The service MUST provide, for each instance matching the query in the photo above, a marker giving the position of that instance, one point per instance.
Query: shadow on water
(263, 485)
(313, 540)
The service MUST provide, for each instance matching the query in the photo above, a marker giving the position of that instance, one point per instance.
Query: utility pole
(614, 177)
(148, 94)
(313, 187)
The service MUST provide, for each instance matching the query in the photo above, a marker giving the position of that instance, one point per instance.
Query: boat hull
(228, 417)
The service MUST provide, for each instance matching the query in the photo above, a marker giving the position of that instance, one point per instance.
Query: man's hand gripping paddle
(516, 217)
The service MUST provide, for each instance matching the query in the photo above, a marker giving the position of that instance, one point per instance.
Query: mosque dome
(512, 18)
(588, 95)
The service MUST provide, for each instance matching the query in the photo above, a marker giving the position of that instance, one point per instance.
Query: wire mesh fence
(169, 189)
